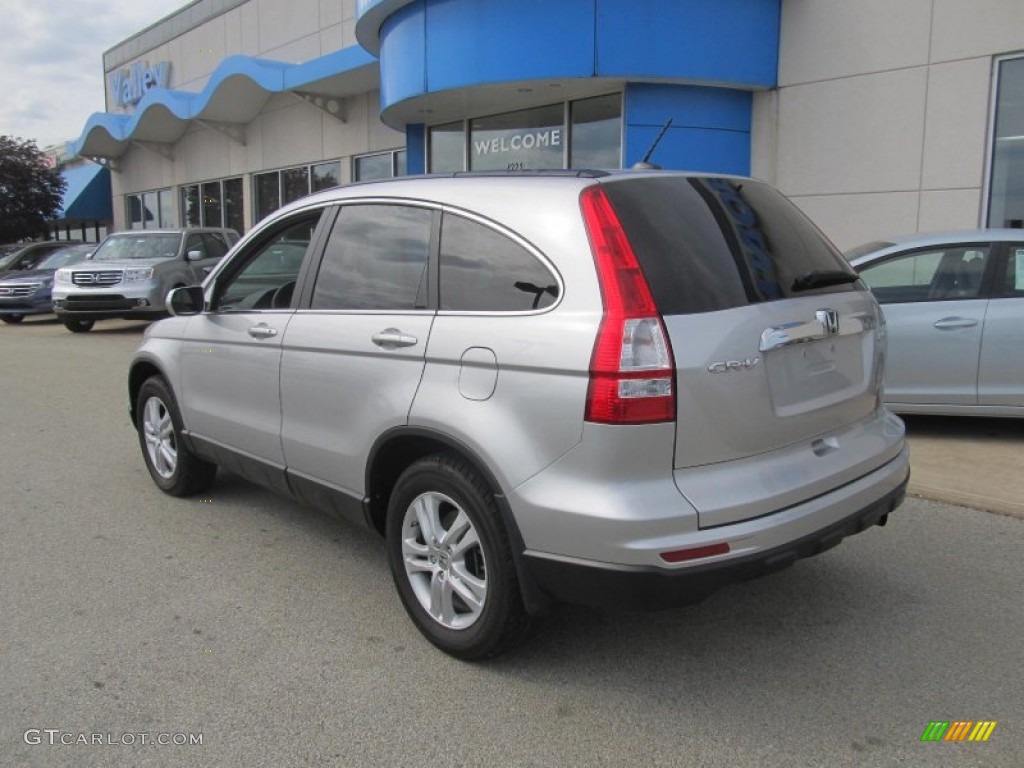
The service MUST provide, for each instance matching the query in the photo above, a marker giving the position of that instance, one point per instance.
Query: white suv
(622, 389)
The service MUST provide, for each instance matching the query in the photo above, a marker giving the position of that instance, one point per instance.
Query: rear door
(935, 307)
(354, 353)
(1001, 366)
(777, 345)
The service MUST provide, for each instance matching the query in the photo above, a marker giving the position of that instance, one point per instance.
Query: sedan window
(929, 275)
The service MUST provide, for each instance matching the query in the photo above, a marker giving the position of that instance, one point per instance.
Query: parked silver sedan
(954, 304)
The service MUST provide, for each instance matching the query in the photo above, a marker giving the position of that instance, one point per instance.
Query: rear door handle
(949, 323)
(262, 332)
(390, 338)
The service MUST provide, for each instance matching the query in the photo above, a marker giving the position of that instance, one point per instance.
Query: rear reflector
(632, 372)
(680, 555)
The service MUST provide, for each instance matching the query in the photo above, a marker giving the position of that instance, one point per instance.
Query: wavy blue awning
(235, 93)
(87, 195)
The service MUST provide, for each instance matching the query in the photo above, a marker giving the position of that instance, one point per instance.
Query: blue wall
(710, 127)
(696, 61)
(430, 46)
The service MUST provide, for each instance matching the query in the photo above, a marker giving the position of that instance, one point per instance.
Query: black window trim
(518, 239)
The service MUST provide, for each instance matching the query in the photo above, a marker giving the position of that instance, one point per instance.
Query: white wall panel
(824, 39)
(283, 22)
(950, 209)
(859, 134)
(956, 127)
(850, 220)
(968, 28)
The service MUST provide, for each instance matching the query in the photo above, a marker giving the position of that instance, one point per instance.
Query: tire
(79, 326)
(457, 581)
(173, 467)
(12, 319)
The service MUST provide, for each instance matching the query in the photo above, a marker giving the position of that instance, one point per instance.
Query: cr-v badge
(729, 366)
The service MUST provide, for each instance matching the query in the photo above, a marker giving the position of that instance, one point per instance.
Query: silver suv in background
(131, 273)
(623, 389)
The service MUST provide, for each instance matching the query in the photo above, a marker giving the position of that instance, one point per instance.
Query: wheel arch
(397, 448)
(137, 375)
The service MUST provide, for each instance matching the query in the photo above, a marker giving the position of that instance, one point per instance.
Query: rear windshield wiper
(822, 278)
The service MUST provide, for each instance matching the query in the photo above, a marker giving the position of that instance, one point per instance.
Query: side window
(214, 244)
(195, 243)
(1013, 285)
(268, 271)
(483, 270)
(930, 275)
(376, 258)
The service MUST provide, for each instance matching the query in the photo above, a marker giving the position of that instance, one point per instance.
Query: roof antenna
(643, 165)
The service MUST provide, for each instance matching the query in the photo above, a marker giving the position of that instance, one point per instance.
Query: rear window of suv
(707, 243)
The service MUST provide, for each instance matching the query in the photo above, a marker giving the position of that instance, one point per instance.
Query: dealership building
(875, 117)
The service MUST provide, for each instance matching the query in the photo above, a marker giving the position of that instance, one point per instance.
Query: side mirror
(193, 256)
(185, 301)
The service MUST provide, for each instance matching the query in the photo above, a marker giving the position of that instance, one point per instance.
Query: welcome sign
(132, 83)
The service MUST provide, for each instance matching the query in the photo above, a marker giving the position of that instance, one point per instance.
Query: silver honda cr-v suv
(624, 389)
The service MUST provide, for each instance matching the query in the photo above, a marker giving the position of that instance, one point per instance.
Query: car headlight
(62, 276)
(135, 274)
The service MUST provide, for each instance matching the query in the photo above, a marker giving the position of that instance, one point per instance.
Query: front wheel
(451, 560)
(174, 468)
(12, 319)
(79, 326)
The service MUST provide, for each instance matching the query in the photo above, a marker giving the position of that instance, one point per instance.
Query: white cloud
(51, 60)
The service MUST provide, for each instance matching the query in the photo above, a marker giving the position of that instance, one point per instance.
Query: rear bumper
(645, 587)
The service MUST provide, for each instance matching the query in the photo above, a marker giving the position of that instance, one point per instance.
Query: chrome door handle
(390, 338)
(948, 323)
(262, 332)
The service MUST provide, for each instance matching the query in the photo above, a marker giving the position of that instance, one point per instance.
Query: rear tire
(173, 467)
(79, 326)
(12, 319)
(451, 560)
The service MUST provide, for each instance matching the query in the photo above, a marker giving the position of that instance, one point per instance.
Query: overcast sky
(51, 60)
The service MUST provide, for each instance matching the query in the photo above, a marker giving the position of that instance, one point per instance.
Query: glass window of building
(1006, 185)
(213, 204)
(191, 212)
(294, 184)
(150, 210)
(379, 165)
(234, 211)
(596, 135)
(528, 138)
(448, 147)
(325, 176)
(268, 193)
(586, 133)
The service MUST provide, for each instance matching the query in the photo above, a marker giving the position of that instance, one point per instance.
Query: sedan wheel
(12, 319)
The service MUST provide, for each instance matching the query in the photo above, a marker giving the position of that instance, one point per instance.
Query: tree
(31, 191)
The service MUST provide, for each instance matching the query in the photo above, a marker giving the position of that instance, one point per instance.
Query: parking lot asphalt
(973, 462)
(274, 632)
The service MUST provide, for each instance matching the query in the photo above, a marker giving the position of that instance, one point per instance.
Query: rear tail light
(632, 373)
